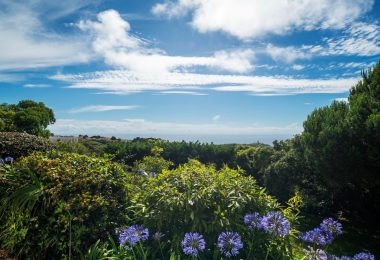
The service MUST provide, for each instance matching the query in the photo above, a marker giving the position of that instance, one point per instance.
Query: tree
(341, 143)
(26, 116)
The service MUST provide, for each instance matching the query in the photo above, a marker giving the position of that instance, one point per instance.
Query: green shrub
(59, 202)
(198, 198)
(21, 144)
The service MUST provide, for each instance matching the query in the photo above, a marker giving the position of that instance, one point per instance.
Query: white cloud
(192, 93)
(37, 86)
(298, 67)
(247, 19)
(9, 77)
(286, 54)
(145, 127)
(216, 118)
(345, 100)
(100, 108)
(26, 42)
(360, 39)
(113, 41)
(122, 82)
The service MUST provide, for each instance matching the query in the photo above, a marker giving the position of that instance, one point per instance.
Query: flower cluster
(274, 223)
(324, 234)
(229, 243)
(193, 243)
(133, 234)
(7, 159)
(315, 254)
(253, 221)
(317, 236)
(364, 256)
(332, 226)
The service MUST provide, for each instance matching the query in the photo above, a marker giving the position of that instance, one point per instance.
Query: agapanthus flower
(343, 257)
(312, 254)
(253, 221)
(158, 236)
(276, 224)
(332, 226)
(193, 243)
(142, 172)
(133, 234)
(229, 243)
(8, 159)
(364, 256)
(317, 236)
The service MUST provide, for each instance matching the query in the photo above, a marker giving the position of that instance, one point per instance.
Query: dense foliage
(26, 116)
(21, 144)
(54, 203)
(151, 198)
(198, 198)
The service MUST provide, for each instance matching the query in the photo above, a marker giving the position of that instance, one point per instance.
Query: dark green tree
(27, 116)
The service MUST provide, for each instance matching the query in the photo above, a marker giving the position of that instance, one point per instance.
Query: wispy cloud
(359, 39)
(250, 19)
(121, 81)
(146, 127)
(216, 118)
(37, 86)
(12, 78)
(192, 93)
(26, 42)
(286, 54)
(341, 100)
(100, 109)
(298, 67)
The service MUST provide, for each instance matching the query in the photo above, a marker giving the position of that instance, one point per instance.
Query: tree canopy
(27, 116)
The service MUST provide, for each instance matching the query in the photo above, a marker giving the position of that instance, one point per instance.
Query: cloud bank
(112, 41)
(247, 19)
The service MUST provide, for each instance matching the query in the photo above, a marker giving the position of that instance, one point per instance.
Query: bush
(59, 202)
(21, 144)
(198, 198)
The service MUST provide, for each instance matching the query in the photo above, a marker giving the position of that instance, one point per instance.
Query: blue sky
(213, 70)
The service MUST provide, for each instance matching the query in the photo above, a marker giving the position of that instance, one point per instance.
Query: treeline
(128, 152)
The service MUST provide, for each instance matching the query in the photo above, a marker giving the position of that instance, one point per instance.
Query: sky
(211, 70)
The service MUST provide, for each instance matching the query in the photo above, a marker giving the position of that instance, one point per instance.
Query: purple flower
(253, 221)
(364, 256)
(229, 243)
(133, 234)
(142, 172)
(332, 226)
(312, 254)
(324, 234)
(317, 236)
(193, 243)
(276, 224)
(8, 159)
